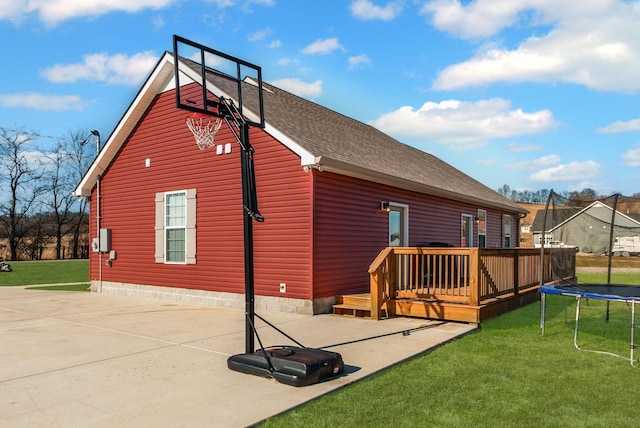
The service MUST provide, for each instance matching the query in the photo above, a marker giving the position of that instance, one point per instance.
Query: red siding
(351, 229)
(282, 243)
(321, 230)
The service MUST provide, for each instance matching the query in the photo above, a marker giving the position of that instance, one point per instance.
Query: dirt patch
(600, 269)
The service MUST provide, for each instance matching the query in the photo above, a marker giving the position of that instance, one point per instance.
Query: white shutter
(190, 255)
(159, 227)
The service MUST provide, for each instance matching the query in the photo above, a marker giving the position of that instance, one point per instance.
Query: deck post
(381, 272)
(392, 274)
(474, 274)
(516, 272)
(375, 285)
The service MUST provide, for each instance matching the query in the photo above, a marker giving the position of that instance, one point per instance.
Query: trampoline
(598, 227)
(609, 292)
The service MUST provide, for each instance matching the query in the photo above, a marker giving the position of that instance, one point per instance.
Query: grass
(505, 374)
(65, 287)
(47, 272)
(629, 278)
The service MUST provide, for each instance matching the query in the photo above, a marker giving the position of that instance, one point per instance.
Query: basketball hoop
(204, 128)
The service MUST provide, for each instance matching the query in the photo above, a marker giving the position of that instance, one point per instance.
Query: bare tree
(505, 190)
(81, 153)
(38, 238)
(20, 175)
(60, 200)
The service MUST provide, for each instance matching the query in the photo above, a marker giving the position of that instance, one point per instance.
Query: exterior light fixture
(385, 206)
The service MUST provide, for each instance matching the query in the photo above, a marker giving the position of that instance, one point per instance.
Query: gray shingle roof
(334, 137)
(329, 134)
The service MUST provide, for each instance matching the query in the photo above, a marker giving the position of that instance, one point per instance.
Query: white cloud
(158, 22)
(487, 162)
(520, 148)
(366, 10)
(115, 69)
(284, 61)
(567, 172)
(221, 4)
(274, 44)
(13, 10)
(259, 35)
(35, 101)
(463, 123)
(53, 12)
(480, 18)
(535, 164)
(594, 44)
(620, 126)
(632, 157)
(359, 61)
(246, 6)
(323, 46)
(300, 88)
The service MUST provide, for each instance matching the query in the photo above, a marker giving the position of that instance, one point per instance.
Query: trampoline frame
(580, 292)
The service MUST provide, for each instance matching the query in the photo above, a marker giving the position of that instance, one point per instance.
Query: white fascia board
(156, 83)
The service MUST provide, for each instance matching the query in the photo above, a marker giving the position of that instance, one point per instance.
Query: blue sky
(530, 93)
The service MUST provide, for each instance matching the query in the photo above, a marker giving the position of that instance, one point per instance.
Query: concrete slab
(72, 359)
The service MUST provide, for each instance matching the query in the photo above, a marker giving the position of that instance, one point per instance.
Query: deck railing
(463, 275)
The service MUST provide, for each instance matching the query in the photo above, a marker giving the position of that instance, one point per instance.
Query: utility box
(105, 241)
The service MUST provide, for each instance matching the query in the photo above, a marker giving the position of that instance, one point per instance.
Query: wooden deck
(456, 284)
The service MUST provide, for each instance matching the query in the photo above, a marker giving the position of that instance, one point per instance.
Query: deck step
(352, 311)
(353, 305)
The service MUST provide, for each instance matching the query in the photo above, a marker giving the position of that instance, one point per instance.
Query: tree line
(37, 206)
(541, 196)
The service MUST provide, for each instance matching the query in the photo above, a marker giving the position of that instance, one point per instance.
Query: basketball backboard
(203, 75)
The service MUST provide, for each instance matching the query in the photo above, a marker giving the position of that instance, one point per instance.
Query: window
(506, 230)
(175, 227)
(482, 228)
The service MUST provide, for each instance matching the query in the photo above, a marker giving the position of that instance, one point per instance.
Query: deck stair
(353, 305)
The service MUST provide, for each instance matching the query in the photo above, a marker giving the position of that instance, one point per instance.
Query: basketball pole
(240, 129)
(239, 125)
(249, 288)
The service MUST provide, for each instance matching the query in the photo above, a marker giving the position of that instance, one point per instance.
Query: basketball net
(204, 129)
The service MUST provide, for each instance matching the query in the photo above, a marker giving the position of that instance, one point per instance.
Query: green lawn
(46, 272)
(85, 286)
(629, 278)
(504, 375)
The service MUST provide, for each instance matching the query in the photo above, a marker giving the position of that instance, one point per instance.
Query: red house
(333, 191)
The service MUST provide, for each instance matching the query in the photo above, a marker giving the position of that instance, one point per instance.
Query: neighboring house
(588, 229)
(172, 219)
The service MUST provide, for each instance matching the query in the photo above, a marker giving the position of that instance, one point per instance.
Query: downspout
(98, 234)
(97, 134)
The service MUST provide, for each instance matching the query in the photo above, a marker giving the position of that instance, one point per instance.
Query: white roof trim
(156, 83)
(160, 80)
